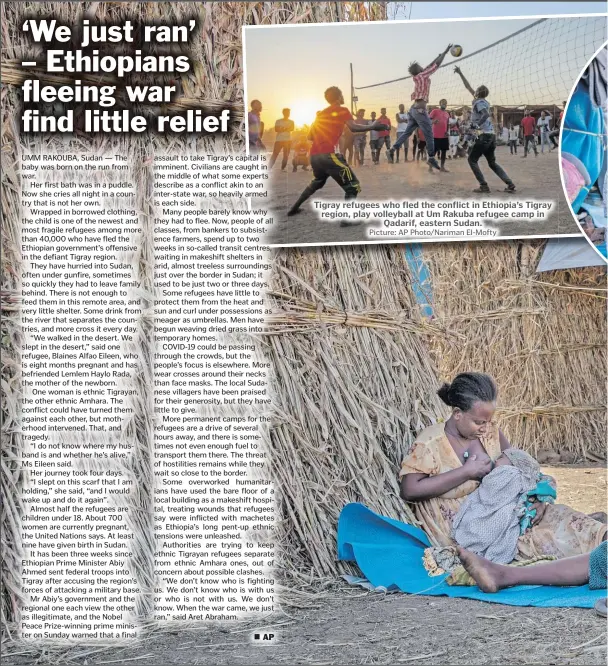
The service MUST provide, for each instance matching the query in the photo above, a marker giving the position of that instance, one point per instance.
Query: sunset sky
(292, 66)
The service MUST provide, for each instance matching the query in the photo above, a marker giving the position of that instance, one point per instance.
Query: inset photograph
(584, 151)
(415, 130)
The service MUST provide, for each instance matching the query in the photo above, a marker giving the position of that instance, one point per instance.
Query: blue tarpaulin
(389, 554)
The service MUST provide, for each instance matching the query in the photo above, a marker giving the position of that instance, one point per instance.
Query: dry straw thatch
(356, 370)
(542, 336)
(351, 391)
(11, 473)
(216, 81)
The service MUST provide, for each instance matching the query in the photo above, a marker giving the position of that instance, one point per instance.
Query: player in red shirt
(384, 137)
(440, 118)
(326, 163)
(528, 124)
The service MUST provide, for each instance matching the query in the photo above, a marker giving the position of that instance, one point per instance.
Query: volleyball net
(536, 65)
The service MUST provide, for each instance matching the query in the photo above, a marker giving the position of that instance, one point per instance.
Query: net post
(352, 90)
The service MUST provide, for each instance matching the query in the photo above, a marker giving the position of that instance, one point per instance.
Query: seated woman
(448, 461)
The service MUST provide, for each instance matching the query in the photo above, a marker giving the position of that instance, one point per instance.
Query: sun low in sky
(304, 110)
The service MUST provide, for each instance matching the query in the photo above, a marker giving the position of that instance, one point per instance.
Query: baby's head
(502, 460)
(521, 460)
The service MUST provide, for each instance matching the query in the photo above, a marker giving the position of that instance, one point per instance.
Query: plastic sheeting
(563, 253)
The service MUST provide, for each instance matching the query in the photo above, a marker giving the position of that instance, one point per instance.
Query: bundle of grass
(542, 336)
(214, 82)
(11, 472)
(353, 384)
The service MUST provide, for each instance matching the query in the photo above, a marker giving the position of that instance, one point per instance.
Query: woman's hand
(540, 507)
(477, 469)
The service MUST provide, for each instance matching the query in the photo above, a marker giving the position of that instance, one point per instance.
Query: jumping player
(325, 134)
(418, 113)
(485, 146)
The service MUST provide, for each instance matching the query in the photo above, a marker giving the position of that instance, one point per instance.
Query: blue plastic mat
(389, 554)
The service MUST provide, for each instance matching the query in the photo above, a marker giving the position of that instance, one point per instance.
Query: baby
(491, 519)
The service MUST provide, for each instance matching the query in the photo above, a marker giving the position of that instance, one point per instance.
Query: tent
(564, 253)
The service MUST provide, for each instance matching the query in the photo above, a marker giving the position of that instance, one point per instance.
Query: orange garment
(562, 531)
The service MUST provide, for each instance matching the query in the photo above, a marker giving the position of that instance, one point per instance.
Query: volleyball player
(325, 162)
(418, 113)
(485, 145)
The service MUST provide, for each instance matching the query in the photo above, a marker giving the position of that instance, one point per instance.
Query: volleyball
(456, 50)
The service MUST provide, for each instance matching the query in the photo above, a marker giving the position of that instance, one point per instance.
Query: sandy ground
(349, 626)
(535, 178)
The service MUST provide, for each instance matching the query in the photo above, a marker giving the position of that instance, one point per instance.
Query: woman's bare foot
(486, 574)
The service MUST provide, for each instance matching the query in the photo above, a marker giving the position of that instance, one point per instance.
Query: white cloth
(514, 134)
(544, 123)
(404, 119)
(284, 127)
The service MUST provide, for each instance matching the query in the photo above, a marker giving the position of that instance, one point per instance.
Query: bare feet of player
(486, 574)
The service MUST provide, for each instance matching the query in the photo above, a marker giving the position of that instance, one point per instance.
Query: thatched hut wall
(353, 384)
(541, 335)
(357, 367)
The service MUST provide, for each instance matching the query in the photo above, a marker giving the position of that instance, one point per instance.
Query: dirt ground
(535, 178)
(350, 626)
